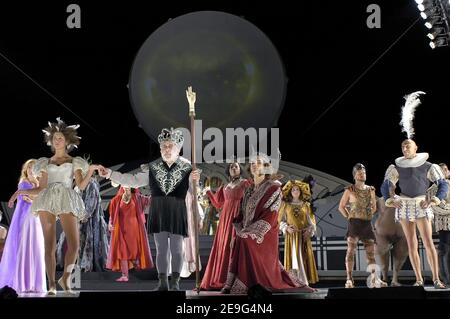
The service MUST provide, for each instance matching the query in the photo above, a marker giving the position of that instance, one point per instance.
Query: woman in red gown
(254, 256)
(129, 243)
(228, 198)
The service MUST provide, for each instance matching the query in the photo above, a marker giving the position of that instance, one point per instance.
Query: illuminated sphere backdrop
(233, 67)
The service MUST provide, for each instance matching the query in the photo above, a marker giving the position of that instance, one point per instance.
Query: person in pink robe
(228, 199)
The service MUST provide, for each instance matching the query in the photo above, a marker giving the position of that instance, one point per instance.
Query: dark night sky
(325, 47)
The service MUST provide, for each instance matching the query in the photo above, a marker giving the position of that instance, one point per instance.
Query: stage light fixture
(437, 32)
(439, 42)
(436, 14)
(423, 4)
(432, 22)
(430, 12)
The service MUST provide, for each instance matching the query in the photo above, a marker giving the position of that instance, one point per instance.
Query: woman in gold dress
(298, 224)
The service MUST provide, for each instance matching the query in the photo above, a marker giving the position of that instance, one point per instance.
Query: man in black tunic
(169, 179)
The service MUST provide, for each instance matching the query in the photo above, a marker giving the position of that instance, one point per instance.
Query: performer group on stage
(253, 214)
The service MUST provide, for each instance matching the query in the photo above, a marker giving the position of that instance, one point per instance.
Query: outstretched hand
(102, 171)
(93, 167)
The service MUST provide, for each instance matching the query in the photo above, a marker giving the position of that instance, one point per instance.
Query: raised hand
(190, 95)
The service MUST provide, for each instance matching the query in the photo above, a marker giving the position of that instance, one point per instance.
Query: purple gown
(22, 266)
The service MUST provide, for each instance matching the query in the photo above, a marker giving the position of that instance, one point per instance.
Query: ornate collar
(416, 161)
(169, 178)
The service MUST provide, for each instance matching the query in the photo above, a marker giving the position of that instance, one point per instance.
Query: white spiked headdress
(62, 127)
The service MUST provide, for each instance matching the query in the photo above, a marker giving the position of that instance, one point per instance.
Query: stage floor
(99, 288)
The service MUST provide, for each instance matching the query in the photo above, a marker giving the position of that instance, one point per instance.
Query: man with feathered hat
(414, 174)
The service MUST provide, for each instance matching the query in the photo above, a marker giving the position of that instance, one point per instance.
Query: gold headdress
(304, 189)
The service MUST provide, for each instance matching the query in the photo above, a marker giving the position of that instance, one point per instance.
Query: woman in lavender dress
(23, 265)
(56, 198)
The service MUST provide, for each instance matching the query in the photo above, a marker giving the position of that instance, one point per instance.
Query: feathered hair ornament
(69, 131)
(411, 103)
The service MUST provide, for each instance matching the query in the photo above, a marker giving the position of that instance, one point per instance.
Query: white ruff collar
(416, 161)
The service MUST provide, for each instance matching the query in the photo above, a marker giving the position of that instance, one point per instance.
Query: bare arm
(343, 203)
(82, 182)
(373, 201)
(32, 192)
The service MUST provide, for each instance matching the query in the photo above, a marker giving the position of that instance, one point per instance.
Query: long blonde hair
(23, 174)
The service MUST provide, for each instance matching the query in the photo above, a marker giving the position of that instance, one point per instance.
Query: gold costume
(298, 253)
(362, 208)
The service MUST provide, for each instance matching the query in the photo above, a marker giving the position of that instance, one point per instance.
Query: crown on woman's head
(171, 135)
(272, 164)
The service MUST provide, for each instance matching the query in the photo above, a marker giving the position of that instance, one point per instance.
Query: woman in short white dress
(56, 197)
